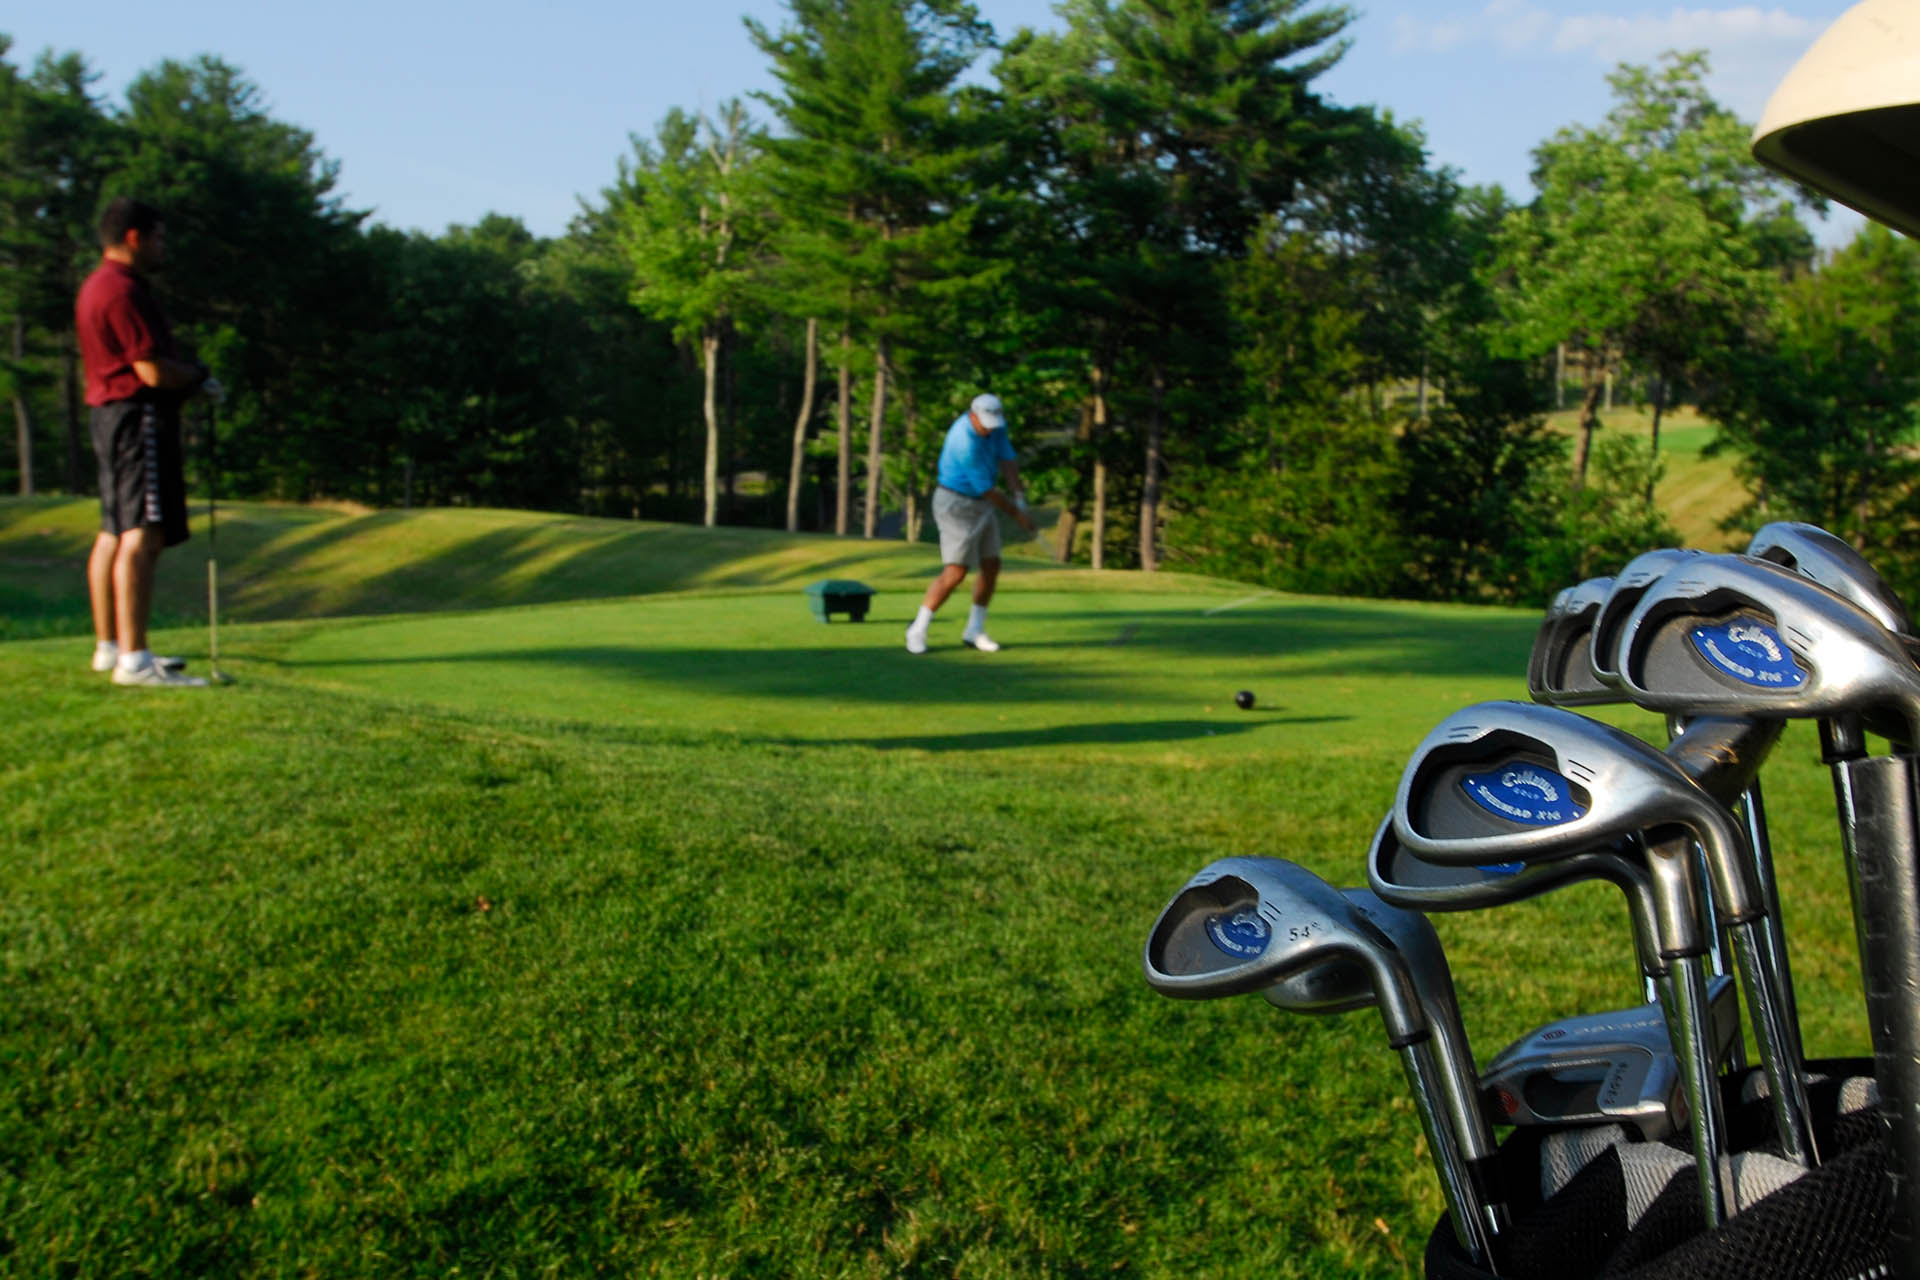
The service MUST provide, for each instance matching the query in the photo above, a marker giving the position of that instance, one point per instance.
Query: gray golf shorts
(969, 528)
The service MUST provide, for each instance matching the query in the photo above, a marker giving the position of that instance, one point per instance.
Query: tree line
(1242, 329)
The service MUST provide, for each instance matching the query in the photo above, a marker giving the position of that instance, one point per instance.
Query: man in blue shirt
(977, 454)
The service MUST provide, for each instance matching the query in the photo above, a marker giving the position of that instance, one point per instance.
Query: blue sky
(440, 113)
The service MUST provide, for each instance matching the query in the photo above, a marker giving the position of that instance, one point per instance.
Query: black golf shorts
(142, 481)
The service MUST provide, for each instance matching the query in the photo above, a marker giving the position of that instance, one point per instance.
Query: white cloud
(1610, 38)
(1750, 47)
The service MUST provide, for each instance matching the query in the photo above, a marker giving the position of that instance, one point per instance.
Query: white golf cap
(986, 406)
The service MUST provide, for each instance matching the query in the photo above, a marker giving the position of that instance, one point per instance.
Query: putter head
(1511, 782)
(1629, 585)
(1616, 1067)
(1558, 669)
(1831, 561)
(1735, 636)
(1403, 879)
(1247, 924)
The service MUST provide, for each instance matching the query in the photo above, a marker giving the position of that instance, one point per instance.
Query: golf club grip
(1885, 846)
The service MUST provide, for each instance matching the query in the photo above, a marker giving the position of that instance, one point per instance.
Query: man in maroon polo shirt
(136, 382)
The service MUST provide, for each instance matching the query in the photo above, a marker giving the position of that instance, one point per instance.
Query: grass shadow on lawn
(1075, 735)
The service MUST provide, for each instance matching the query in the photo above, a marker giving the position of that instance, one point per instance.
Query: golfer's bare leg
(100, 588)
(133, 565)
(983, 585)
(941, 587)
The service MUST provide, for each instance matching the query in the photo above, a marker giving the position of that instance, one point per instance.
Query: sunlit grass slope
(284, 562)
(1697, 492)
(680, 934)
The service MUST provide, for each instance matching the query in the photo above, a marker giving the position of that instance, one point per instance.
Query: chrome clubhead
(1629, 585)
(1831, 561)
(1736, 636)
(1558, 668)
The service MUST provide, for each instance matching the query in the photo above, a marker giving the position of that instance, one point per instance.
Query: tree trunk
(876, 428)
(78, 481)
(844, 423)
(709, 360)
(1659, 404)
(800, 425)
(1560, 376)
(1077, 499)
(1589, 420)
(22, 414)
(729, 441)
(1098, 557)
(1150, 477)
(911, 411)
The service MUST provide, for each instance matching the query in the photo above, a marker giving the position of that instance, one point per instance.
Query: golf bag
(1587, 1204)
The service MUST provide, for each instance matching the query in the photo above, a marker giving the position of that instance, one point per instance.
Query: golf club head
(1403, 879)
(1247, 924)
(1616, 1067)
(1558, 669)
(1513, 782)
(1831, 561)
(1629, 585)
(1342, 985)
(1735, 636)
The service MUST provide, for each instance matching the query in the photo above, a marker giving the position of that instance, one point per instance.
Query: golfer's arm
(167, 374)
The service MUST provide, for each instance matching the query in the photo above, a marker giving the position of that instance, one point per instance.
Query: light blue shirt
(969, 461)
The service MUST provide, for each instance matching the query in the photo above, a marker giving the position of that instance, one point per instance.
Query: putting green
(1126, 670)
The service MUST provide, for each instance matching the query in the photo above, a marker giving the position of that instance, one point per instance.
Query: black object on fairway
(1507, 781)
(1244, 699)
(1265, 924)
(214, 673)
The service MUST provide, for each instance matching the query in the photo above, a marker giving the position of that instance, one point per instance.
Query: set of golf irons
(1643, 1143)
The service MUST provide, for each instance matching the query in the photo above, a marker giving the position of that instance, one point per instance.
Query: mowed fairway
(681, 935)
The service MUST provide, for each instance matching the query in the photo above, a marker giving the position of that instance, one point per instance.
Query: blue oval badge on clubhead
(1242, 934)
(1529, 794)
(1749, 651)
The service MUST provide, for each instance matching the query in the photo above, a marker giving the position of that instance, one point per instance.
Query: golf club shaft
(1425, 1080)
(1754, 810)
(1786, 1074)
(1690, 1032)
(1878, 826)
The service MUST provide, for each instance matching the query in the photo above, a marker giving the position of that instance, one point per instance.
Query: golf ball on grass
(1244, 699)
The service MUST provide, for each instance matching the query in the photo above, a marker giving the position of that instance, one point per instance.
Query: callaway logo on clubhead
(1242, 934)
(1751, 652)
(1524, 793)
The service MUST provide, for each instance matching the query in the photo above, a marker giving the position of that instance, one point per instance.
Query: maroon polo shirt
(118, 322)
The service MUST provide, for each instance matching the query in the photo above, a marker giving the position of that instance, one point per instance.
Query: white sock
(923, 619)
(106, 650)
(977, 620)
(134, 659)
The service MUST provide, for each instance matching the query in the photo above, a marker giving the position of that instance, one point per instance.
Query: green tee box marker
(839, 595)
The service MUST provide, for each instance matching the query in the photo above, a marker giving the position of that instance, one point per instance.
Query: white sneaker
(983, 642)
(107, 656)
(156, 674)
(916, 640)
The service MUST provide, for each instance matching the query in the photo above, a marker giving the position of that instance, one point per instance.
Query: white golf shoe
(156, 675)
(916, 640)
(107, 656)
(982, 641)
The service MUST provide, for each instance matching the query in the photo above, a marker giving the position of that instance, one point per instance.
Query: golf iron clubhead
(1616, 1067)
(1508, 781)
(1812, 552)
(1265, 924)
(1736, 636)
(1558, 669)
(1629, 585)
